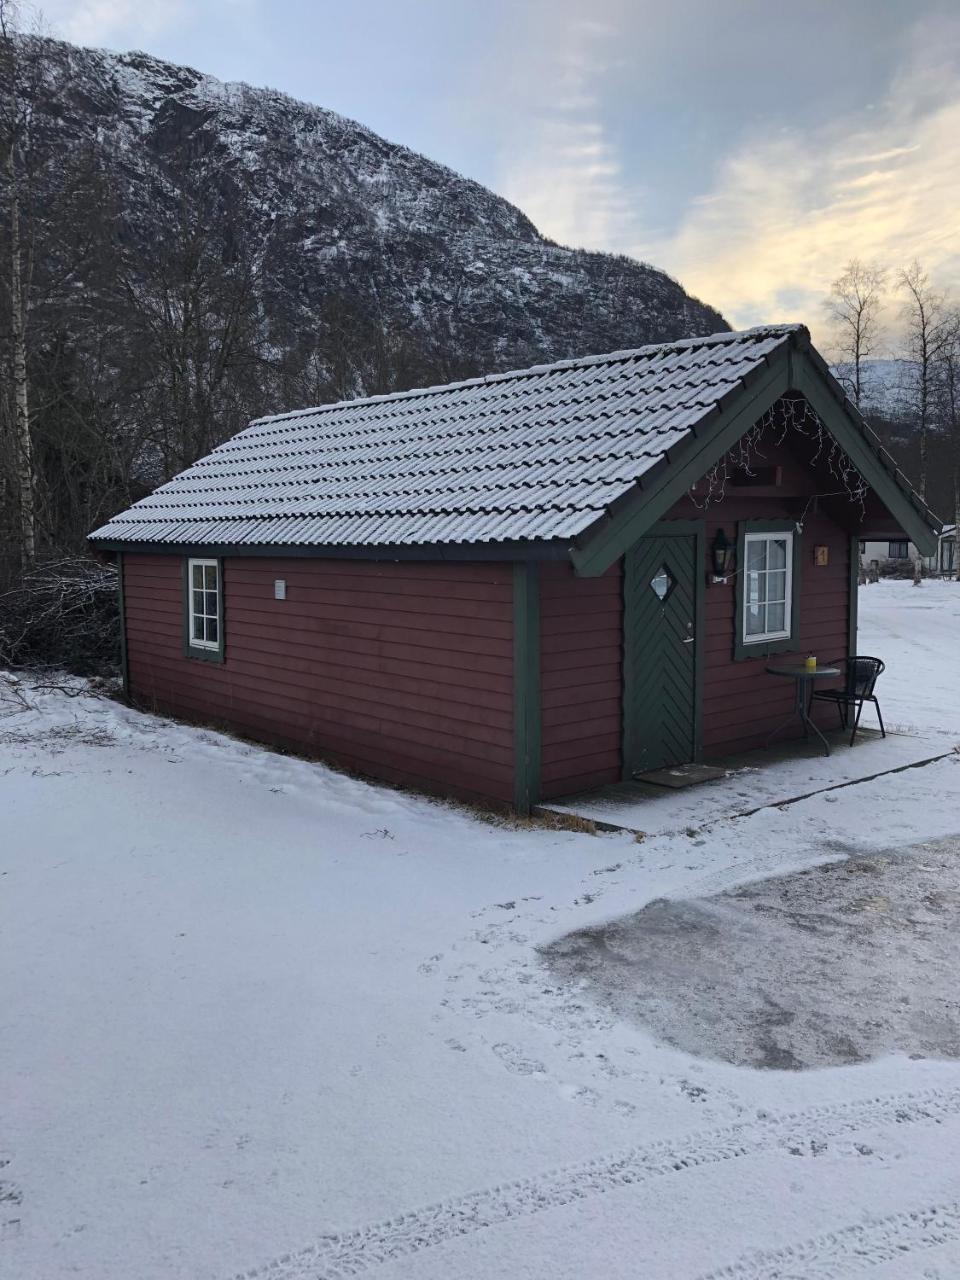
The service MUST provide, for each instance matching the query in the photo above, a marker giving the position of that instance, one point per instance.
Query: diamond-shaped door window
(662, 583)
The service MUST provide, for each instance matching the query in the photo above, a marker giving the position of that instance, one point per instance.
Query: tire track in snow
(851, 1249)
(798, 1133)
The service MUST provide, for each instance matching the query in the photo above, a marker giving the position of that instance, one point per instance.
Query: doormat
(682, 775)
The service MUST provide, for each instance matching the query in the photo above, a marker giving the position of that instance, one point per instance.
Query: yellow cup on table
(811, 664)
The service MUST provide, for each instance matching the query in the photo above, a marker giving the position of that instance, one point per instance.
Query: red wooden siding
(741, 702)
(581, 638)
(581, 687)
(398, 671)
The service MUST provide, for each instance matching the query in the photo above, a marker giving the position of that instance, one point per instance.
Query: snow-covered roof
(532, 455)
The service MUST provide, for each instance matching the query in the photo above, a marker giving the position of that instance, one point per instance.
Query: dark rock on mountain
(343, 222)
(198, 254)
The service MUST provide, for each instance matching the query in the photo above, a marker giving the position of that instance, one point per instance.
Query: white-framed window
(767, 587)
(203, 605)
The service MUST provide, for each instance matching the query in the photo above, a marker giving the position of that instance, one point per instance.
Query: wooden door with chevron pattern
(661, 635)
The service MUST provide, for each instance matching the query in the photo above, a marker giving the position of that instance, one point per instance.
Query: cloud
(787, 212)
(111, 22)
(785, 208)
(561, 170)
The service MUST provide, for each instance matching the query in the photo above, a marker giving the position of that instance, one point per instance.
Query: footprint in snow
(514, 1061)
(580, 1093)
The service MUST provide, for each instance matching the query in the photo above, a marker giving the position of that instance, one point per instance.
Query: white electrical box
(279, 589)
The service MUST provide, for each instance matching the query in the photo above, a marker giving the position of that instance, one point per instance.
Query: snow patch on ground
(830, 965)
(256, 1012)
(916, 631)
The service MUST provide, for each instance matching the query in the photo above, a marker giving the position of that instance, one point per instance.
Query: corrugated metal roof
(538, 454)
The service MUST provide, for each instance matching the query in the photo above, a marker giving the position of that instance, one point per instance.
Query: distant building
(945, 562)
(892, 554)
(892, 551)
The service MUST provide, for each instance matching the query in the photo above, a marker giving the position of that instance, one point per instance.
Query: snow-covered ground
(916, 631)
(260, 1018)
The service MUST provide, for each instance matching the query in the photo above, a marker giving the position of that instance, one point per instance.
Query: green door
(661, 628)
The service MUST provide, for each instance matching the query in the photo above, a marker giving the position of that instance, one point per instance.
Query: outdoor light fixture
(721, 552)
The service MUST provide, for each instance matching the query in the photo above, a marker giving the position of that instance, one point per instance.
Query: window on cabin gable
(204, 611)
(767, 587)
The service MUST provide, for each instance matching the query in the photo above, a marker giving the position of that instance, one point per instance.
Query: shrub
(899, 569)
(65, 613)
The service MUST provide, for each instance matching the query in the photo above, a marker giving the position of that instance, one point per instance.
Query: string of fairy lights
(784, 418)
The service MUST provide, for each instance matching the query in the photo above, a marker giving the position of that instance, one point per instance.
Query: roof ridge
(576, 362)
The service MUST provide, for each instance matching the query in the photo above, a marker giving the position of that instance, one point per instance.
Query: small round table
(803, 679)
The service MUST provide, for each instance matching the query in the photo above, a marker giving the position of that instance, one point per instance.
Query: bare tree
(854, 306)
(14, 123)
(928, 333)
(192, 306)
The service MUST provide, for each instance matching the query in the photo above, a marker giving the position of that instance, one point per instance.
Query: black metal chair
(862, 673)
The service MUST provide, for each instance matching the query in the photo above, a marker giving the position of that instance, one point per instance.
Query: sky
(749, 149)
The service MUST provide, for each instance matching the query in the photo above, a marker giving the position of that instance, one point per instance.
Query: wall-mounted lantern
(721, 555)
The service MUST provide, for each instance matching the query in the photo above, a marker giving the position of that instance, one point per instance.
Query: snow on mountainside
(344, 219)
(891, 387)
(888, 386)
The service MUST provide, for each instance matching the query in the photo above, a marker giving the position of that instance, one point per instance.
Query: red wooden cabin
(503, 589)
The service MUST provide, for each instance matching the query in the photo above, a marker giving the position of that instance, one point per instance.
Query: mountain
(196, 254)
(340, 212)
(889, 387)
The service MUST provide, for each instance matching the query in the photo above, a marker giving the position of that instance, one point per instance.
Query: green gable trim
(797, 369)
(760, 648)
(602, 545)
(526, 686)
(826, 397)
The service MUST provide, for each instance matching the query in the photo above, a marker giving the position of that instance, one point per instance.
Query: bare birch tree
(928, 333)
(14, 122)
(854, 306)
